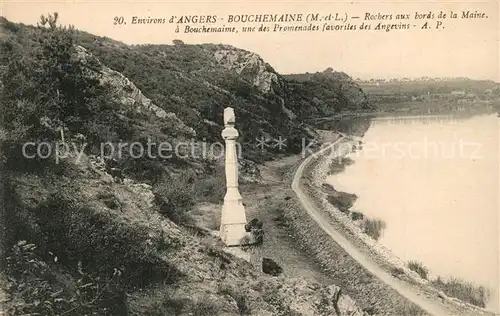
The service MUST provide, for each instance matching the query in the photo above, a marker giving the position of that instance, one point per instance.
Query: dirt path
(431, 305)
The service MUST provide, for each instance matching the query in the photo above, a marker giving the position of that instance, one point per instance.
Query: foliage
(42, 291)
(410, 309)
(204, 306)
(329, 92)
(355, 216)
(397, 272)
(239, 296)
(463, 290)
(212, 187)
(373, 228)
(175, 195)
(342, 200)
(47, 89)
(419, 268)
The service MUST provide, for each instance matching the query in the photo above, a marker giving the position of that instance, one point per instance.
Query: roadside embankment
(317, 171)
(373, 295)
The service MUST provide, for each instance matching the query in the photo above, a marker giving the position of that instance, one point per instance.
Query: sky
(460, 48)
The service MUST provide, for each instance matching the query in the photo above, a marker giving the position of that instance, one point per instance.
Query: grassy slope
(102, 244)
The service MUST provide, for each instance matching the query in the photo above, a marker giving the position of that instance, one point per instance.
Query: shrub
(101, 242)
(204, 307)
(373, 228)
(212, 188)
(239, 297)
(176, 198)
(465, 291)
(397, 271)
(419, 268)
(339, 165)
(357, 216)
(342, 200)
(50, 89)
(44, 290)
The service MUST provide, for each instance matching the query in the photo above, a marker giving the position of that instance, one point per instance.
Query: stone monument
(233, 217)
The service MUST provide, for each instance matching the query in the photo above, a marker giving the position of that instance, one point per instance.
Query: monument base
(233, 221)
(233, 234)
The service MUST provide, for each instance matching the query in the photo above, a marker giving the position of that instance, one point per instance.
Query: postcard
(249, 157)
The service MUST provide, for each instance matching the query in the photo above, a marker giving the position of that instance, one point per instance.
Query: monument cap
(229, 117)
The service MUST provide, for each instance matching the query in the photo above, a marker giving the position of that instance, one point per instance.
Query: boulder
(332, 300)
(270, 267)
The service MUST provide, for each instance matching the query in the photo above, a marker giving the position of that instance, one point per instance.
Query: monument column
(233, 218)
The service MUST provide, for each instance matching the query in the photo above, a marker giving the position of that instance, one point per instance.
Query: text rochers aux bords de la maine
(296, 21)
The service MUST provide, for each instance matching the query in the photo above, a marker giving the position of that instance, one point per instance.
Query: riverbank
(302, 249)
(316, 172)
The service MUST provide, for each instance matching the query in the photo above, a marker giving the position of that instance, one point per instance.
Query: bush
(465, 291)
(342, 200)
(176, 198)
(102, 242)
(397, 272)
(419, 268)
(212, 188)
(339, 165)
(44, 290)
(373, 228)
(357, 216)
(204, 307)
(238, 296)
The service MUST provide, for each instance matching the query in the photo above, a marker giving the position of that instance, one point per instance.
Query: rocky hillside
(331, 93)
(89, 245)
(197, 81)
(93, 232)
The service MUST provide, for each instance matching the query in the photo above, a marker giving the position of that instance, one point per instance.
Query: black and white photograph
(282, 158)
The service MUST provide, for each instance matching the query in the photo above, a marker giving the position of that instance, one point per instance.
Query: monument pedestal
(233, 221)
(233, 218)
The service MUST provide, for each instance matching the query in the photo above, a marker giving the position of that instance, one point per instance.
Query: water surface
(435, 184)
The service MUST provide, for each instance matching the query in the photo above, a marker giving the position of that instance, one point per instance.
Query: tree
(50, 88)
(45, 86)
(50, 20)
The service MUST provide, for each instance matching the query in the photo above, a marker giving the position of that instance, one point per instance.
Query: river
(434, 182)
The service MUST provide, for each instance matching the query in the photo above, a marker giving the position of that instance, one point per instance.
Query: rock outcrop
(331, 300)
(126, 92)
(249, 66)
